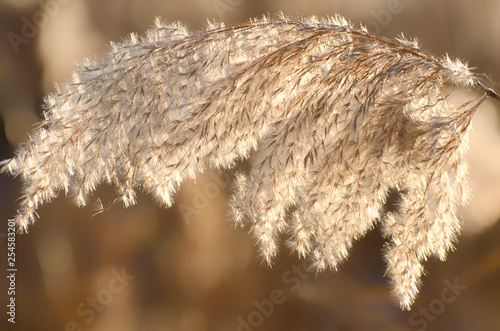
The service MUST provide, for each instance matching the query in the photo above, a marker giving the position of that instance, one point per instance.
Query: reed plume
(330, 117)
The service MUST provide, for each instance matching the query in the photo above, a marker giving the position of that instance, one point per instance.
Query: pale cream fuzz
(331, 117)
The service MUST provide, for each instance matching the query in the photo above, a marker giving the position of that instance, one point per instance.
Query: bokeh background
(185, 268)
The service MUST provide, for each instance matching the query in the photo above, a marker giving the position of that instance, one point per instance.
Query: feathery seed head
(331, 117)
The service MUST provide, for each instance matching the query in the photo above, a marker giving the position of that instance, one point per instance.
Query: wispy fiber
(331, 117)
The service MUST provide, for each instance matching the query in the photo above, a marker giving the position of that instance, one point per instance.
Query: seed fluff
(330, 117)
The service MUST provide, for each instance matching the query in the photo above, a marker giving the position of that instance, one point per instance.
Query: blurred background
(185, 268)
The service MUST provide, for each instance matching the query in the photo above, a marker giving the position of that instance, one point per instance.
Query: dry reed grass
(331, 117)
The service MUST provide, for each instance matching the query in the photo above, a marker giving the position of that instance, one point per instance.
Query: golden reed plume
(331, 117)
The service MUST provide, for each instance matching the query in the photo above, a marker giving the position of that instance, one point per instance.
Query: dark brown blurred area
(186, 268)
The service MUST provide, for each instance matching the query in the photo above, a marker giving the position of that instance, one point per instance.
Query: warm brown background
(199, 273)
